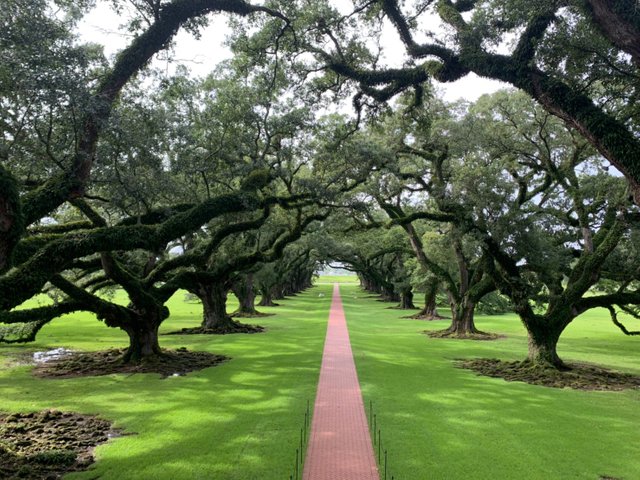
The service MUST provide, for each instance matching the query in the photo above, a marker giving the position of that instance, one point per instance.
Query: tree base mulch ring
(251, 315)
(229, 328)
(169, 363)
(463, 336)
(428, 318)
(49, 444)
(578, 376)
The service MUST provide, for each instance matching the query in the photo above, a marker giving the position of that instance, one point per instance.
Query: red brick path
(340, 446)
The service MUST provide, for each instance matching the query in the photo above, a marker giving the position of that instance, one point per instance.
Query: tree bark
(406, 300)
(430, 310)
(388, 295)
(462, 319)
(142, 328)
(267, 298)
(143, 342)
(214, 306)
(246, 294)
(615, 21)
(543, 339)
(11, 225)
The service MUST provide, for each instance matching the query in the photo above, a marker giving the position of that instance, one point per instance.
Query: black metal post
(385, 464)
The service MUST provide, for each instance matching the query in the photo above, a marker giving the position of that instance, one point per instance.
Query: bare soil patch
(428, 318)
(231, 327)
(49, 444)
(459, 336)
(169, 363)
(578, 376)
(251, 315)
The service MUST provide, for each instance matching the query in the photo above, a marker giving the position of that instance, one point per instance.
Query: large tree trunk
(267, 297)
(277, 292)
(215, 319)
(11, 225)
(142, 329)
(389, 295)
(618, 21)
(406, 300)
(246, 294)
(143, 343)
(214, 306)
(430, 310)
(462, 319)
(543, 336)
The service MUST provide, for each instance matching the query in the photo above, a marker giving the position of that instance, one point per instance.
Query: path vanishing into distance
(340, 446)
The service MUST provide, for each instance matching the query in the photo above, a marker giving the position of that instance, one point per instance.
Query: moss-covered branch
(26, 280)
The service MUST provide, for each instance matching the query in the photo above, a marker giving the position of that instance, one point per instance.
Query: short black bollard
(379, 445)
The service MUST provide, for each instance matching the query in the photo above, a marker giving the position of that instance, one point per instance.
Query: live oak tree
(563, 54)
(411, 189)
(550, 216)
(24, 202)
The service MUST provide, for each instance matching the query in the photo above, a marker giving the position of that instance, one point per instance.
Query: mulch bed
(49, 444)
(428, 318)
(578, 376)
(170, 363)
(231, 327)
(251, 315)
(457, 336)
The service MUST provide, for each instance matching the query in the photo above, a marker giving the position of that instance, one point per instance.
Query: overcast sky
(102, 26)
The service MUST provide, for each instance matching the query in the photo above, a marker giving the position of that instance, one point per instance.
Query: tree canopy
(114, 175)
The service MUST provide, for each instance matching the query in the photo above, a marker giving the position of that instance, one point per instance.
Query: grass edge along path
(442, 422)
(339, 444)
(237, 421)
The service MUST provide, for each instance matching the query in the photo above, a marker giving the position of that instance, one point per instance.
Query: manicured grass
(440, 422)
(331, 279)
(240, 420)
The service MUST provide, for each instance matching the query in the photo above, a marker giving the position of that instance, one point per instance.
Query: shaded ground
(170, 363)
(458, 336)
(580, 376)
(429, 318)
(251, 315)
(230, 327)
(48, 444)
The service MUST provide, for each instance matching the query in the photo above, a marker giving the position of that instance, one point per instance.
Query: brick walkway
(340, 446)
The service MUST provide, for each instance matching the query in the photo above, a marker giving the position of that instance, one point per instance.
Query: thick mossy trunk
(11, 224)
(215, 319)
(430, 310)
(214, 306)
(389, 295)
(246, 294)
(406, 300)
(267, 298)
(462, 321)
(543, 343)
(143, 343)
(277, 292)
(142, 329)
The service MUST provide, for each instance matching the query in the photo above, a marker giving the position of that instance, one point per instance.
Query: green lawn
(439, 422)
(342, 279)
(240, 420)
